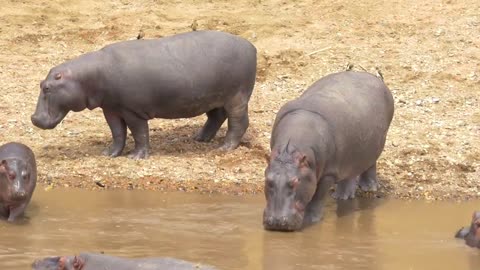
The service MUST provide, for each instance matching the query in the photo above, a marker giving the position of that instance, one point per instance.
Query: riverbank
(428, 55)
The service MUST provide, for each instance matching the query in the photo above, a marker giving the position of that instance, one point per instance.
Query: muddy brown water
(226, 231)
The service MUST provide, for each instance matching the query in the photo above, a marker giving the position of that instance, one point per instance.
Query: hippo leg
(345, 189)
(216, 118)
(313, 211)
(139, 129)
(16, 212)
(237, 113)
(368, 179)
(118, 127)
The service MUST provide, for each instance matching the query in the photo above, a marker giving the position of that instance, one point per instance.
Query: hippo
(471, 234)
(18, 178)
(179, 76)
(332, 134)
(92, 261)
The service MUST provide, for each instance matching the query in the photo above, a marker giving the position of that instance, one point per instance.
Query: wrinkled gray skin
(18, 178)
(180, 76)
(471, 234)
(90, 261)
(333, 133)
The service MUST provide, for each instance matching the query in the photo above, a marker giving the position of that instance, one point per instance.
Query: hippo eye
(24, 174)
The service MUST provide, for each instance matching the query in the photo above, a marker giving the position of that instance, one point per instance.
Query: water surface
(226, 231)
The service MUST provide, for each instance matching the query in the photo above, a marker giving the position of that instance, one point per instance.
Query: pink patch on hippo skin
(78, 263)
(3, 166)
(294, 182)
(61, 263)
(301, 160)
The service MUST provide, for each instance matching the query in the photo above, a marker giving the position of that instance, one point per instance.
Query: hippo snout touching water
(180, 76)
(90, 261)
(333, 133)
(18, 178)
(471, 234)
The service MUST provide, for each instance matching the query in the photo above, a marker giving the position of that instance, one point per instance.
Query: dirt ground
(428, 52)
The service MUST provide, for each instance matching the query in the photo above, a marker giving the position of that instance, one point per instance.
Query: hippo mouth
(46, 121)
(284, 224)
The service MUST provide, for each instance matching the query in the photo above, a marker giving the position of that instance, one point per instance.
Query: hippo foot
(202, 137)
(138, 154)
(112, 152)
(345, 189)
(311, 219)
(228, 146)
(368, 184)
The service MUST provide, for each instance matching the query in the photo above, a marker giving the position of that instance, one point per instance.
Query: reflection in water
(227, 232)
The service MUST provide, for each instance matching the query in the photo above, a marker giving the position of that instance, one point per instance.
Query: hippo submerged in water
(87, 261)
(18, 178)
(180, 76)
(471, 234)
(333, 133)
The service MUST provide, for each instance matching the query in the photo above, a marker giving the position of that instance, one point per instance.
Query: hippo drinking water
(180, 76)
(18, 178)
(471, 234)
(87, 261)
(333, 133)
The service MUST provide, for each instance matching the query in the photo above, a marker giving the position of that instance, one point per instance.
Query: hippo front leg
(16, 212)
(139, 129)
(313, 211)
(118, 127)
(346, 189)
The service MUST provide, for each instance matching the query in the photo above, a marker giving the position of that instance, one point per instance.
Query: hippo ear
(78, 263)
(3, 166)
(301, 160)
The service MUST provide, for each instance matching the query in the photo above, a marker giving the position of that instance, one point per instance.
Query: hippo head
(59, 94)
(472, 238)
(15, 181)
(59, 263)
(290, 183)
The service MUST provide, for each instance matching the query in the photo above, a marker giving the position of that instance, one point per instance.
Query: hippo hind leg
(237, 114)
(368, 179)
(216, 118)
(346, 189)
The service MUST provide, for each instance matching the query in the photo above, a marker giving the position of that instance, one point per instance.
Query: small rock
(435, 100)
(419, 102)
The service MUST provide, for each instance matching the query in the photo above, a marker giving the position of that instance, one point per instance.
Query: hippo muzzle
(44, 121)
(287, 223)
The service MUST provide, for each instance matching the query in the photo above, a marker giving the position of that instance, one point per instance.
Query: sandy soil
(428, 52)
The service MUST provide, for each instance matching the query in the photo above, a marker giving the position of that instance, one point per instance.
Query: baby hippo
(471, 234)
(89, 261)
(18, 177)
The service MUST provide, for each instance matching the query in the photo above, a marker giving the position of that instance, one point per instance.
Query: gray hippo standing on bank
(471, 234)
(333, 133)
(18, 178)
(179, 76)
(88, 261)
